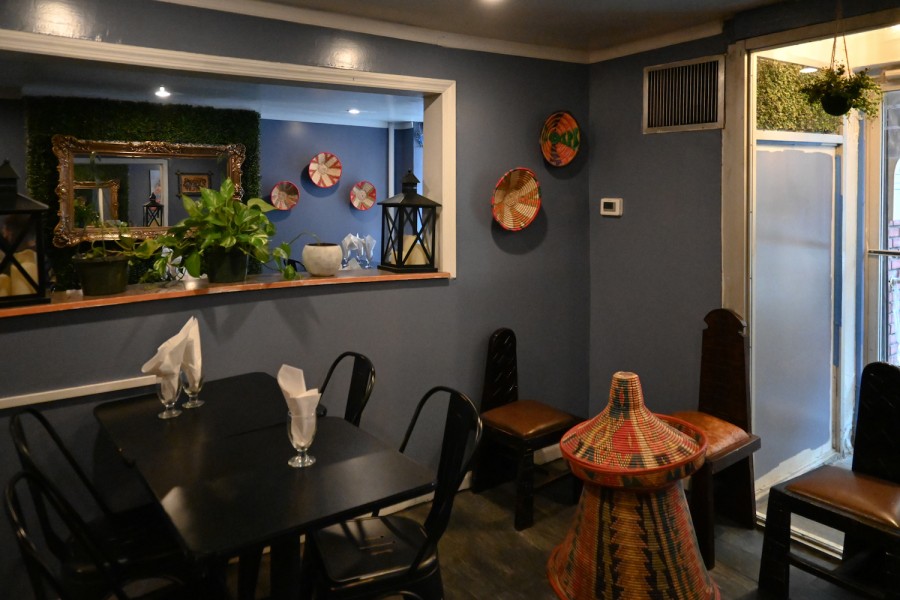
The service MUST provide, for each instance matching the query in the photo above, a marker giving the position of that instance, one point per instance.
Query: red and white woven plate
(362, 196)
(285, 195)
(325, 169)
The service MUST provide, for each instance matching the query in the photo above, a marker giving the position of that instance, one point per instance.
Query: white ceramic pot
(322, 259)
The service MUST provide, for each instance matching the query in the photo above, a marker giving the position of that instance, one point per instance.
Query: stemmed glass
(301, 431)
(168, 396)
(192, 391)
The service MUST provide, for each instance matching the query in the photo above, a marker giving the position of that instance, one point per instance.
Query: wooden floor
(484, 558)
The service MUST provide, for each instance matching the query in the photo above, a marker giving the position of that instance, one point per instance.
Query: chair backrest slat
(501, 376)
(362, 382)
(724, 389)
(876, 443)
(462, 426)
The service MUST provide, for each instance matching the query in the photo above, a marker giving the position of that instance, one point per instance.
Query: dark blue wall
(12, 137)
(417, 334)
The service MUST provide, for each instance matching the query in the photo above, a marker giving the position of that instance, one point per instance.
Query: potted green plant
(102, 267)
(219, 234)
(838, 91)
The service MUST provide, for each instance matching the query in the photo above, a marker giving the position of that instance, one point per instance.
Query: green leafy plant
(839, 91)
(218, 221)
(123, 246)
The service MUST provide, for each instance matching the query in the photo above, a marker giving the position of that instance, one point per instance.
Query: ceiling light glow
(353, 111)
(162, 92)
(808, 70)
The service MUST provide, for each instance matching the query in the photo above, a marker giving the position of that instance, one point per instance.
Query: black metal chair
(863, 502)
(80, 569)
(362, 382)
(514, 429)
(377, 556)
(726, 481)
(139, 538)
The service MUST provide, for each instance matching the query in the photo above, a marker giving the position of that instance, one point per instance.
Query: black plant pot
(225, 266)
(835, 105)
(102, 276)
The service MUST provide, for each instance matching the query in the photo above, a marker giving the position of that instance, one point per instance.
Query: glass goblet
(168, 395)
(301, 431)
(192, 389)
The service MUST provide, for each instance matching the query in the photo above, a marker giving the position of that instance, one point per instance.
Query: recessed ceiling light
(353, 111)
(808, 70)
(162, 92)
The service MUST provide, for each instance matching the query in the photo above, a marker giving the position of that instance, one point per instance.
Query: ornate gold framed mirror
(149, 166)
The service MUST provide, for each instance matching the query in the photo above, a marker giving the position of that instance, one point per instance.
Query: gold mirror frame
(66, 147)
(112, 186)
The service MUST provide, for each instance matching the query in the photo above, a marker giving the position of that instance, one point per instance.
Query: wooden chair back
(876, 444)
(501, 375)
(724, 389)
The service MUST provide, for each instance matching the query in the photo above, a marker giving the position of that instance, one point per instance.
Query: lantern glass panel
(19, 265)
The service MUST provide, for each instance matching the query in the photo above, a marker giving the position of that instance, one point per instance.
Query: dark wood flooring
(484, 558)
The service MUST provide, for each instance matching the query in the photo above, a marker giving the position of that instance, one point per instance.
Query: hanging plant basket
(838, 89)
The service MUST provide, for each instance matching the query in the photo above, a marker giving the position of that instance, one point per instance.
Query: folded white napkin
(348, 245)
(192, 363)
(166, 363)
(300, 401)
(369, 244)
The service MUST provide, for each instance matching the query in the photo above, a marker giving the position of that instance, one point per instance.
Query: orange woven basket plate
(325, 169)
(517, 199)
(362, 196)
(285, 195)
(560, 139)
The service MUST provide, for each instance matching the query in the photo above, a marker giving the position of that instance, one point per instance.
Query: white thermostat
(611, 207)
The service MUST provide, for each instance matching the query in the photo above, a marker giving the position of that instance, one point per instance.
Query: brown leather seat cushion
(527, 418)
(862, 495)
(720, 434)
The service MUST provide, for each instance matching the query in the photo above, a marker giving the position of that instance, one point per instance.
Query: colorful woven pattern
(627, 445)
(560, 139)
(325, 169)
(362, 196)
(630, 546)
(517, 199)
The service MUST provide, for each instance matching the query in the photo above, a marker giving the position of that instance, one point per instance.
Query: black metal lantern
(23, 278)
(153, 212)
(408, 223)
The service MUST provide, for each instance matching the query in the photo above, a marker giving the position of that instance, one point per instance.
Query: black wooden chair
(863, 502)
(79, 568)
(140, 538)
(514, 429)
(726, 481)
(362, 382)
(378, 557)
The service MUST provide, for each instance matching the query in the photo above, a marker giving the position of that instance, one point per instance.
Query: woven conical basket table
(632, 535)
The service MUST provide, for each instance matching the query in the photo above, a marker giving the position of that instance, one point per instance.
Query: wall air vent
(685, 95)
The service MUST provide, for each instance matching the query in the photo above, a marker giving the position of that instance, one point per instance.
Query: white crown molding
(688, 34)
(306, 16)
(176, 60)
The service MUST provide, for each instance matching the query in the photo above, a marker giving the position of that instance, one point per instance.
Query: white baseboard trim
(76, 392)
(800, 463)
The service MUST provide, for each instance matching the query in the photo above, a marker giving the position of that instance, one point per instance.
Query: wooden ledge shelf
(74, 300)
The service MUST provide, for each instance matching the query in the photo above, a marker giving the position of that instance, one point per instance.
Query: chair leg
(702, 514)
(489, 469)
(892, 575)
(736, 490)
(248, 574)
(525, 491)
(774, 564)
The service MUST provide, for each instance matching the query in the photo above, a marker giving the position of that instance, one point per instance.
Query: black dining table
(220, 471)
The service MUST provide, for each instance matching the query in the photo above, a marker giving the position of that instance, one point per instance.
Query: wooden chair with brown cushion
(863, 502)
(725, 482)
(514, 429)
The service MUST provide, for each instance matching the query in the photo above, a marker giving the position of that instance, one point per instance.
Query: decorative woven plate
(560, 138)
(285, 195)
(517, 199)
(362, 196)
(325, 169)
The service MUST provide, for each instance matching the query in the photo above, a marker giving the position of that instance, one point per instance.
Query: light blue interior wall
(286, 148)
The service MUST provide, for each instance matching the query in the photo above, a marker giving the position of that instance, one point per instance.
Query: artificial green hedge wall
(781, 107)
(99, 119)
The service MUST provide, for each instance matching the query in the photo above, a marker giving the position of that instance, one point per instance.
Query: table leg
(285, 567)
